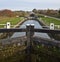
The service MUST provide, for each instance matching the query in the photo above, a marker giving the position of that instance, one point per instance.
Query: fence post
(32, 30)
(29, 35)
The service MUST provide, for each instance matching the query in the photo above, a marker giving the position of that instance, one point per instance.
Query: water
(37, 25)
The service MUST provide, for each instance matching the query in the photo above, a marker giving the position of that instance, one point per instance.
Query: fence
(30, 32)
(29, 39)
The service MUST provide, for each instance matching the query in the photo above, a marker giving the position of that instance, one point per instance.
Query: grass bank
(12, 20)
(48, 20)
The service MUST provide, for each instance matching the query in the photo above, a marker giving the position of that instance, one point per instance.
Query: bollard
(52, 26)
(8, 25)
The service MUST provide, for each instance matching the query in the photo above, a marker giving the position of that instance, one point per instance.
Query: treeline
(9, 13)
(49, 12)
(20, 13)
(6, 12)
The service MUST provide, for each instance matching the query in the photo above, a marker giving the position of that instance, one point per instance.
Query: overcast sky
(29, 4)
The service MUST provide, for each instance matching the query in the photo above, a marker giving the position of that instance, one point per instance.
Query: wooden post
(29, 35)
(32, 29)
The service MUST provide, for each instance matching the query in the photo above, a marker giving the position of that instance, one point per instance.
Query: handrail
(34, 30)
(12, 30)
(47, 31)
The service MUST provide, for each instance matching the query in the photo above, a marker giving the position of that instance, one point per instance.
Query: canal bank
(44, 26)
(53, 36)
(20, 23)
(5, 35)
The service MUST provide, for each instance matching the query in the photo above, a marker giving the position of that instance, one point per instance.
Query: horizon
(27, 10)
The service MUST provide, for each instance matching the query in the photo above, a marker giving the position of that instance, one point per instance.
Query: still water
(36, 25)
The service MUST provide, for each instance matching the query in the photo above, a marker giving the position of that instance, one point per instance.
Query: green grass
(12, 20)
(47, 21)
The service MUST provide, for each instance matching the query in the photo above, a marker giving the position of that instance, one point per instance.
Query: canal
(36, 25)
